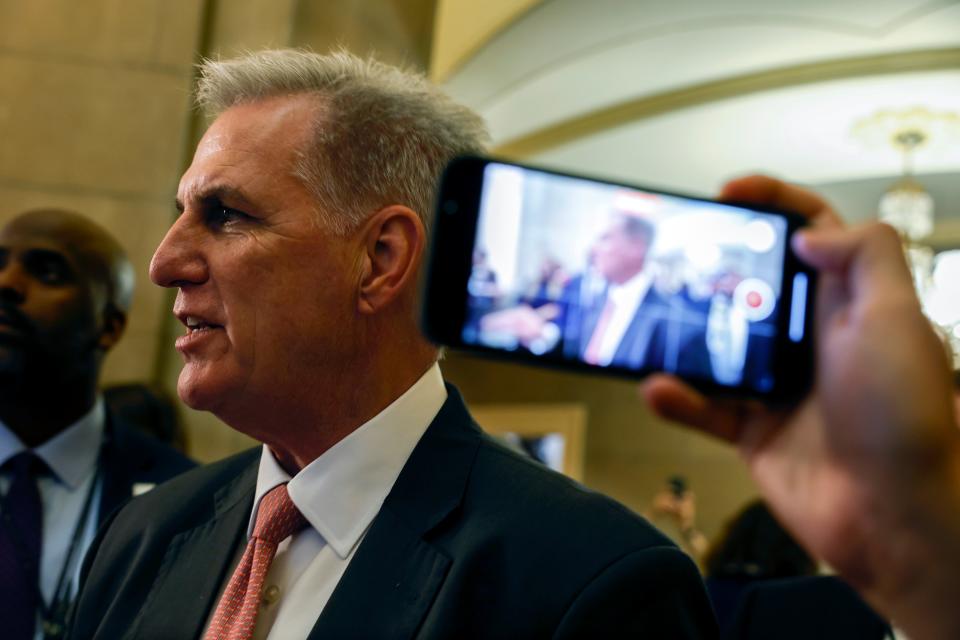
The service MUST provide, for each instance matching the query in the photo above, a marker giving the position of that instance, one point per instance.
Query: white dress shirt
(339, 494)
(627, 298)
(72, 457)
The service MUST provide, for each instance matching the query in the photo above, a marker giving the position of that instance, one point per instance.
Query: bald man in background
(65, 290)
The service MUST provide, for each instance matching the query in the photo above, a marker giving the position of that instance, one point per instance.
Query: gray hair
(384, 136)
(639, 227)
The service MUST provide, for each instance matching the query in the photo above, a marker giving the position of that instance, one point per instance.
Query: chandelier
(909, 209)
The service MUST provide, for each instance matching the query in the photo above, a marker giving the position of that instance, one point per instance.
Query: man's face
(619, 254)
(266, 293)
(49, 305)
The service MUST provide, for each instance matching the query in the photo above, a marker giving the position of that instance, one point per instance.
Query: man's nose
(179, 260)
(13, 287)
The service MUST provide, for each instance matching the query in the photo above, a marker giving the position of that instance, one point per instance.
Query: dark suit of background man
(65, 287)
(623, 325)
(295, 260)
(627, 323)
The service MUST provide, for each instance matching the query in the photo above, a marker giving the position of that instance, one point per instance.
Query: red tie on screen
(592, 352)
(236, 615)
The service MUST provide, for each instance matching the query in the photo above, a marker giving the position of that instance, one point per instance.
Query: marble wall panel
(114, 32)
(94, 127)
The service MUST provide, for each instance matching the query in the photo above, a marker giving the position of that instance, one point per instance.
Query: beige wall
(396, 31)
(93, 108)
(464, 26)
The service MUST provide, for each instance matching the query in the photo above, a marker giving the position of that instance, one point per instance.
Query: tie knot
(278, 518)
(25, 464)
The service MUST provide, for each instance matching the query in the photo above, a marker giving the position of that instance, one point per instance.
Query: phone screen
(565, 268)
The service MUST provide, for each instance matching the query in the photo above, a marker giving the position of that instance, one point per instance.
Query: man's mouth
(197, 325)
(12, 324)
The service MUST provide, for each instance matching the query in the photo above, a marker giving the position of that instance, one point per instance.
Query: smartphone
(585, 274)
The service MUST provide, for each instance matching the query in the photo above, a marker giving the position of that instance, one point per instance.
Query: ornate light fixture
(906, 205)
(908, 208)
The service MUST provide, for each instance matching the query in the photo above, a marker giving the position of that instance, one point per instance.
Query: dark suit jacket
(472, 541)
(665, 333)
(820, 607)
(131, 457)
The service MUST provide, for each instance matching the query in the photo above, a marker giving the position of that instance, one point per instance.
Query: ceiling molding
(583, 125)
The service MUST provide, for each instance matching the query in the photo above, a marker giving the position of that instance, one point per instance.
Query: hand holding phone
(864, 472)
(568, 271)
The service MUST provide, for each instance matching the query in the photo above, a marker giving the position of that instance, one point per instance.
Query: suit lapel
(195, 565)
(117, 478)
(396, 573)
(634, 348)
(388, 586)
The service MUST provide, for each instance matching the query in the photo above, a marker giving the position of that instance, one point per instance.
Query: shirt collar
(632, 291)
(342, 491)
(71, 454)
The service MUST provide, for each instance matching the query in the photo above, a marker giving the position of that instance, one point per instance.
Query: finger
(548, 311)
(759, 189)
(869, 258)
(670, 398)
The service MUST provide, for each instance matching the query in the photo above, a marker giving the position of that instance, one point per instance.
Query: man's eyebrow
(56, 255)
(215, 193)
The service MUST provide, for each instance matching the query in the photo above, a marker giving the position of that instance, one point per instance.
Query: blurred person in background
(149, 409)
(752, 547)
(673, 511)
(800, 608)
(66, 462)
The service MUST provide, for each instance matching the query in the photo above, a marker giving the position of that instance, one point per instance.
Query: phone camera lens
(450, 207)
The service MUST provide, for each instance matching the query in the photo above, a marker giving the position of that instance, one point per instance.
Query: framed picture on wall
(553, 434)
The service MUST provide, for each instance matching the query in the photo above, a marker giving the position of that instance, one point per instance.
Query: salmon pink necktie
(236, 615)
(592, 353)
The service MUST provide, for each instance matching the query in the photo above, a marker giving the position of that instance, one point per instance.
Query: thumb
(868, 258)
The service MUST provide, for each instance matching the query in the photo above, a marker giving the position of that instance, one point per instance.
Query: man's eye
(48, 271)
(221, 216)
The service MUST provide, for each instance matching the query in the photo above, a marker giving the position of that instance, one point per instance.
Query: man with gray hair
(376, 507)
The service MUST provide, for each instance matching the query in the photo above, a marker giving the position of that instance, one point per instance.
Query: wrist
(913, 562)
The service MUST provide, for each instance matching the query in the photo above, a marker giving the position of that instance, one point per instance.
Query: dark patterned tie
(21, 522)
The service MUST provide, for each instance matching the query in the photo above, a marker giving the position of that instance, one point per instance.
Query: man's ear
(114, 323)
(393, 243)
